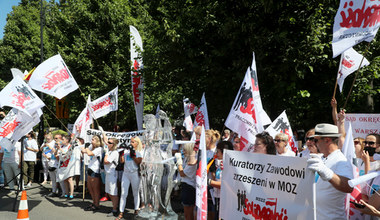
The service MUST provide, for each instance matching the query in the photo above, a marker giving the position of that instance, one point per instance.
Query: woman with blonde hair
(132, 158)
(111, 160)
(95, 151)
(187, 172)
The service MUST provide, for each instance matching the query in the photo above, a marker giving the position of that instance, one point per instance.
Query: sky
(5, 8)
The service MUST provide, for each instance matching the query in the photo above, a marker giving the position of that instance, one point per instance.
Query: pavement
(41, 207)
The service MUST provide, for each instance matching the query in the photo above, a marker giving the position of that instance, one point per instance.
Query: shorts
(111, 183)
(187, 195)
(92, 173)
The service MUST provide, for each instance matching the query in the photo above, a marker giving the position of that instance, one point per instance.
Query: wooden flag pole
(356, 74)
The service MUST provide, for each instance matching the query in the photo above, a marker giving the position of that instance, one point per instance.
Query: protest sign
(259, 186)
(363, 124)
(123, 137)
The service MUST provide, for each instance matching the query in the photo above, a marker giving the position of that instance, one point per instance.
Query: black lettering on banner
(287, 187)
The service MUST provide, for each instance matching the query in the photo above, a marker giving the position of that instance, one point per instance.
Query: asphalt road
(41, 207)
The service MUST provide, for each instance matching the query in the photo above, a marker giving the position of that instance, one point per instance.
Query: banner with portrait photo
(259, 186)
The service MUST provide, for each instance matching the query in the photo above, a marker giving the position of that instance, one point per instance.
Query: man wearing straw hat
(332, 173)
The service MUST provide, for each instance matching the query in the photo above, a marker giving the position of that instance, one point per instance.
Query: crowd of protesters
(322, 148)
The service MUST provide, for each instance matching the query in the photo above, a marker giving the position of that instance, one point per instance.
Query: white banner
(189, 109)
(17, 94)
(136, 48)
(349, 63)
(53, 78)
(260, 186)
(202, 115)
(363, 124)
(355, 21)
(201, 179)
(105, 104)
(282, 125)
(66, 165)
(123, 137)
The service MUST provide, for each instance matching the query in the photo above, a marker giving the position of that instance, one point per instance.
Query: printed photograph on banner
(259, 186)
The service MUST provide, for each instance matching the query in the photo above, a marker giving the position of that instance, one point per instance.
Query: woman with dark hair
(264, 144)
(95, 151)
(30, 157)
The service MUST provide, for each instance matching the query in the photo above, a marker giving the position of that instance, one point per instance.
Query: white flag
(17, 94)
(243, 115)
(136, 47)
(53, 78)
(83, 122)
(202, 116)
(105, 104)
(282, 125)
(17, 123)
(349, 63)
(201, 179)
(355, 21)
(189, 109)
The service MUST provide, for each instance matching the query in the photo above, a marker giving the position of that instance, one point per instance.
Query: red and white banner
(84, 121)
(363, 124)
(53, 78)
(355, 21)
(282, 125)
(105, 104)
(260, 186)
(189, 109)
(66, 165)
(202, 116)
(201, 179)
(136, 47)
(17, 94)
(348, 150)
(17, 124)
(349, 63)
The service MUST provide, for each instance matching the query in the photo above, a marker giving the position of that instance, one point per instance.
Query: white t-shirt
(12, 156)
(113, 158)
(330, 201)
(94, 164)
(30, 155)
(288, 153)
(190, 172)
(129, 164)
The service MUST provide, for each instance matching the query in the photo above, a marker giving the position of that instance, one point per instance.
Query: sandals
(91, 207)
(120, 216)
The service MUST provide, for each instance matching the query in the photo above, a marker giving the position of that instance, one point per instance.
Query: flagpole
(336, 81)
(356, 74)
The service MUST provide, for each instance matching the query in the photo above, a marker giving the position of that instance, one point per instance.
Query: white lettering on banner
(259, 186)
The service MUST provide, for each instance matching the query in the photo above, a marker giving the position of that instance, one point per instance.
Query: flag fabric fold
(52, 77)
(189, 109)
(84, 121)
(201, 179)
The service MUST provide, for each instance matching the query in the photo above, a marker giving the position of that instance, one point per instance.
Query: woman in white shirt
(95, 151)
(111, 160)
(65, 156)
(131, 159)
(30, 157)
(187, 173)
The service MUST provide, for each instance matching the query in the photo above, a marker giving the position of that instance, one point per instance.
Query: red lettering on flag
(360, 17)
(136, 81)
(20, 99)
(9, 127)
(55, 77)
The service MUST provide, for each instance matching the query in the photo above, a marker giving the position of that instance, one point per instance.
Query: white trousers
(45, 165)
(129, 178)
(53, 178)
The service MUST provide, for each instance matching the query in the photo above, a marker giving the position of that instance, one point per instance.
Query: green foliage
(191, 47)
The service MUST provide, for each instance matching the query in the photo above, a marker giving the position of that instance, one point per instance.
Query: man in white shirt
(333, 172)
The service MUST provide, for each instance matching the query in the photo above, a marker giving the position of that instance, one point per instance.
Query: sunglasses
(110, 142)
(315, 140)
(277, 140)
(369, 142)
(356, 142)
(309, 139)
